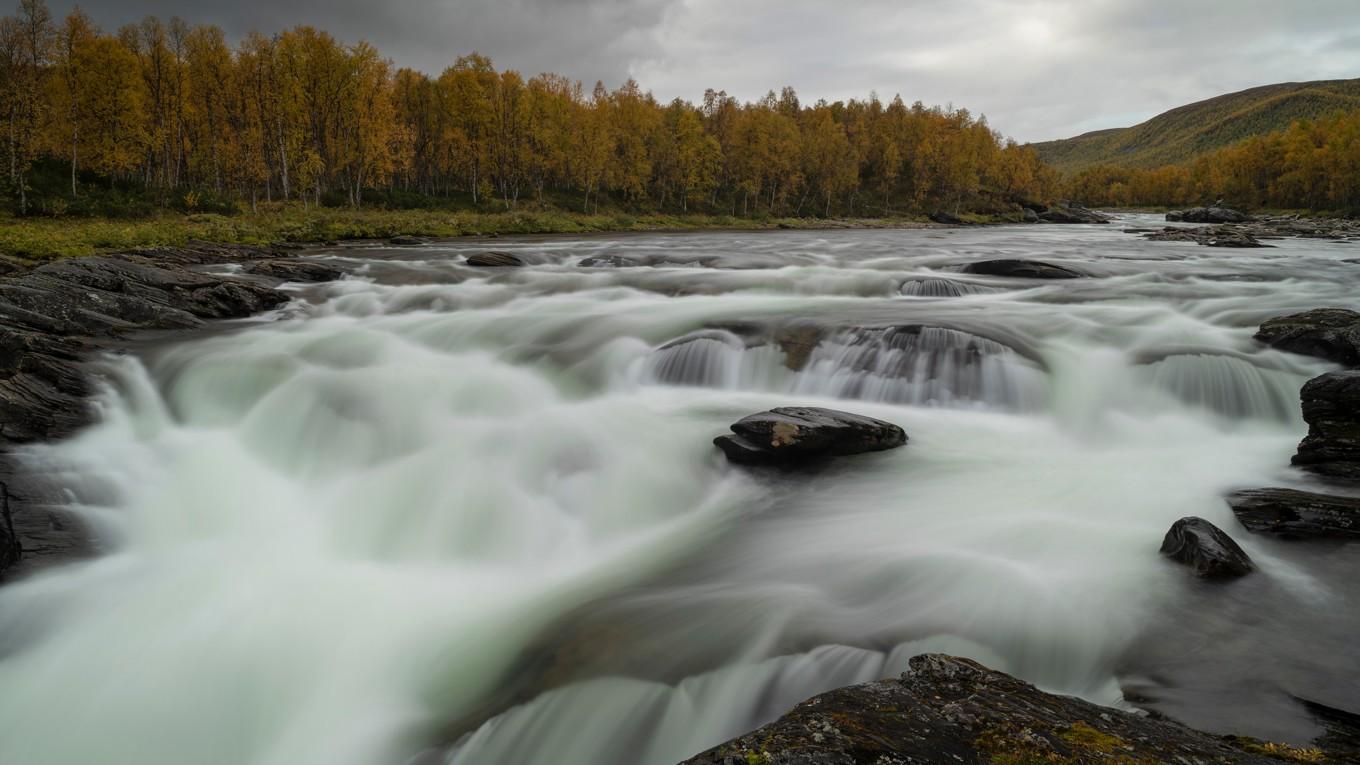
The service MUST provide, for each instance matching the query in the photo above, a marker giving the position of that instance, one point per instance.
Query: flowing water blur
(441, 514)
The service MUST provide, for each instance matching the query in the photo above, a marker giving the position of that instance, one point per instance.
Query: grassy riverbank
(38, 239)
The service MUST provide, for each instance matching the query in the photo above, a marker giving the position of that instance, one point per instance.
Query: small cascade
(914, 364)
(941, 288)
(716, 359)
(1228, 385)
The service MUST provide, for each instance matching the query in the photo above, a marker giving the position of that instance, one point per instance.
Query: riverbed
(437, 513)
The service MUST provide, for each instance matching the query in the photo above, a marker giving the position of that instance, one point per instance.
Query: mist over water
(436, 513)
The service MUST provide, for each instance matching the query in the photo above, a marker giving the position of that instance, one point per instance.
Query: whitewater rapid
(434, 513)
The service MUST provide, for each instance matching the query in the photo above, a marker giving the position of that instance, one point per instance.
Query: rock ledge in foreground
(952, 710)
(795, 434)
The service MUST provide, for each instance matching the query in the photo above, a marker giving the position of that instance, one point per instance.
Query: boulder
(947, 219)
(295, 270)
(790, 435)
(1205, 548)
(1022, 269)
(1211, 214)
(1030, 216)
(1328, 333)
(947, 709)
(1294, 514)
(407, 241)
(1070, 213)
(1331, 407)
(494, 259)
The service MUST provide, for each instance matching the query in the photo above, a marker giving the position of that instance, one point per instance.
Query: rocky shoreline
(57, 316)
(1232, 228)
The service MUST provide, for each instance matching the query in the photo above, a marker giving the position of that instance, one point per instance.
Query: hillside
(1186, 132)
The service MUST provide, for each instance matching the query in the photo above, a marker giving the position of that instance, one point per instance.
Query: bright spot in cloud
(1034, 31)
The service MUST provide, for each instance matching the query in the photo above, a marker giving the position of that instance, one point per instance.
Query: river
(440, 514)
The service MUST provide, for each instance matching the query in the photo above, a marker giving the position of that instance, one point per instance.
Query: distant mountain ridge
(1180, 135)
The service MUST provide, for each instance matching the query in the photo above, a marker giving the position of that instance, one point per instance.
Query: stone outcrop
(795, 435)
(1211, 214)
(1328, 333)
(1331, 407)
(953, 710)
(1294, 514)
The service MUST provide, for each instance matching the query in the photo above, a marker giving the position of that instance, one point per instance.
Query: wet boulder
(1029, 216)
(791, 435)
(1328, 333)
(1331, 407)
(1294, 514)
(947, 709)
(1205, 548)
(1021, 269)
(407, 241)
(495, 259)
(1212, 214)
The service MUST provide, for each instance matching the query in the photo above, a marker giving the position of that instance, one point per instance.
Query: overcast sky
(1038, 69)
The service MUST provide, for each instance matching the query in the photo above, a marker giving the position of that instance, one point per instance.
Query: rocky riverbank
(1233, 228)
(54, 318)
(952, 710)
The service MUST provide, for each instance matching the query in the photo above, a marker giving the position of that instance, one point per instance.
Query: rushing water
(448, 515)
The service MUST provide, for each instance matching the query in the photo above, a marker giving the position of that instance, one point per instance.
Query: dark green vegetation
(1183, 134)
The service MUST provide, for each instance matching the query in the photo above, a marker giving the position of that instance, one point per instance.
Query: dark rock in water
(408, 241)
(494, 259)
(1208, 236)
(1029, 215)
(1023, 269)
(1331, 407)
(1071, 213)
(948, 219)
(293, 270)
(797, 434)
(1236, 239)
(797, 343)
(1207, 549)
(952, 710)
(1328, 333)
(1208, 215)
(1294, 514)
(608, 261)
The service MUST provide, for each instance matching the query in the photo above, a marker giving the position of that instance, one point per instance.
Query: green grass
(33, 240)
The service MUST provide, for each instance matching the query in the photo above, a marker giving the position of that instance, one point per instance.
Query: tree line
(301, 116)
(1312, 165)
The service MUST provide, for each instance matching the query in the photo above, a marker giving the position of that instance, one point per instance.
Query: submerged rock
(1023, 269)
(608, 261)
(1211, 214)
(797, 434)
(495, 259)
(1294, 514)
(1328, 333)
(1331, 407)
(1207, 549)
(952, 710)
